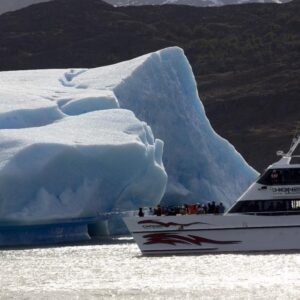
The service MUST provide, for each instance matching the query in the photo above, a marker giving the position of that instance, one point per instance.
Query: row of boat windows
(266, 206)
(281, 177)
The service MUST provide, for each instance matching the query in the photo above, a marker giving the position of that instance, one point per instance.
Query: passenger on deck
(209, 210)
(192, 209)
(201, 209)
(183, 210)
(217, 209)
(141, 213)
(221, 208)
(158, 210)
(213, 207)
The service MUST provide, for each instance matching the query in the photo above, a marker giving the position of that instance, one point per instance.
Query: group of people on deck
(186, 209)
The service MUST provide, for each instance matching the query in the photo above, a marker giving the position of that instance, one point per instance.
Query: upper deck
(276, 191)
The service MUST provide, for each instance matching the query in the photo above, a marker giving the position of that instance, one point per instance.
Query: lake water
(117, 270)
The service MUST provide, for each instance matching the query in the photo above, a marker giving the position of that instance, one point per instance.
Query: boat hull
(212, 234)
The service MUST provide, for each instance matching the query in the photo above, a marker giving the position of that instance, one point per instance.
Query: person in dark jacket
(141, 213)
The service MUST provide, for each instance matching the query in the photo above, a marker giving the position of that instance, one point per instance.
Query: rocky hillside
(202, 3)
(245, 57)
(12, 5)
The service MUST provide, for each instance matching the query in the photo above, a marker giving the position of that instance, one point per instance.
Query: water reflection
(118, 270)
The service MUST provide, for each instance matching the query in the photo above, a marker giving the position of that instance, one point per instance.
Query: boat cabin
(276, 191)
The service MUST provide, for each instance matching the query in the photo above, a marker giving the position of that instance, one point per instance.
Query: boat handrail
(271, 213)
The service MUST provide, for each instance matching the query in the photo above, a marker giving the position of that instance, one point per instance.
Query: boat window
(295, 204)
(294, 176)
(280, 177)
(246, 206)
(280, 206)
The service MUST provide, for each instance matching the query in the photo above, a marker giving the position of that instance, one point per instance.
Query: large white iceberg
(160, 89)
(79, 167)
(75, 143)
(68, 153)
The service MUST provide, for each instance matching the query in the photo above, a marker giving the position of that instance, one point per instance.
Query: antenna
(294, 145)
(295, 137)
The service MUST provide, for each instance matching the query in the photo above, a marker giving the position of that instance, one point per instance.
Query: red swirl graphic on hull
(169, 223)
(173, 239)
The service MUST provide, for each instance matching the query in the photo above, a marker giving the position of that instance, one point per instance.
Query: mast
(286, 157)
(295, 143)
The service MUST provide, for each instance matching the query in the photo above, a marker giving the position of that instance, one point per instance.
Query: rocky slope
(12, 5)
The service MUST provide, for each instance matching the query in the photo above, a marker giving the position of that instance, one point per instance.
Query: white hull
(214, 233)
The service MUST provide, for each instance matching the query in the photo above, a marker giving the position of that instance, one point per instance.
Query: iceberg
(67, 154)
(82, 143)
(79, 167)
(161, 90)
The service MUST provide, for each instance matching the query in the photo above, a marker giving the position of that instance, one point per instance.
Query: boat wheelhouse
(276, 191)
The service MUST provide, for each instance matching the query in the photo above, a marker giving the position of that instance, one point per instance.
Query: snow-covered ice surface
(75, 143)
(68, 152)
(160, 89)
(80, 166)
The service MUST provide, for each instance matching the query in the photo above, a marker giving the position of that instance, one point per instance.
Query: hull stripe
(173, 239)
(220, 229)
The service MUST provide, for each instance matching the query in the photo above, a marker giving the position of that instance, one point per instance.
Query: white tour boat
(265, 218)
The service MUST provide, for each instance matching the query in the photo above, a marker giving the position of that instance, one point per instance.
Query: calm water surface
(119, 271)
